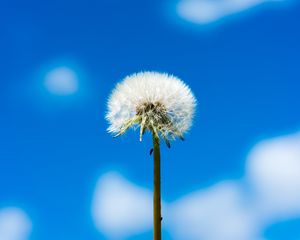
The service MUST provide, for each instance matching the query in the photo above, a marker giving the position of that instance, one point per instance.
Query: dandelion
(159, 103)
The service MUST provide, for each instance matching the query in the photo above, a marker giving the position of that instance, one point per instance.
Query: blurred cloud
(61, 81)
(228, 210)
(120, 208)
(209, 11)
(217, 213)
(274, 172)
(14, 224)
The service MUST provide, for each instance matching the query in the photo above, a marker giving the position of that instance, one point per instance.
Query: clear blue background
(245, 74)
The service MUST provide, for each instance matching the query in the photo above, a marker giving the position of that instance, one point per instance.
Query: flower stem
(156, 196)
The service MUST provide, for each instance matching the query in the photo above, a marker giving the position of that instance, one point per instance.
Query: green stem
(156, 196)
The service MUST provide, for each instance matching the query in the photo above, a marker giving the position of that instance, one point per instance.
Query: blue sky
(242, 68)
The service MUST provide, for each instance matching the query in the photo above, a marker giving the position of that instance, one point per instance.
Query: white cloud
(14, 224)
(61, 81)
(208, 11)
(120, 208)
(274, 171)
(217, 213)
(228, 210)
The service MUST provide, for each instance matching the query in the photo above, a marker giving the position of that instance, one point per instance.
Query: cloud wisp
(204, 12)
(14, 224)
(228, 210)
(61, 81)
(217, 213)
(120, 208)
(273, 169)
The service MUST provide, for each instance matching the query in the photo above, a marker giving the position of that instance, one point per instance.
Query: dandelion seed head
(153, 101)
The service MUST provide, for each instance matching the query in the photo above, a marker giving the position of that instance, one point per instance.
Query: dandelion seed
(157, 102)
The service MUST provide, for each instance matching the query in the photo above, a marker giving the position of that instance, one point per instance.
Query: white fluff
(170, 113)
